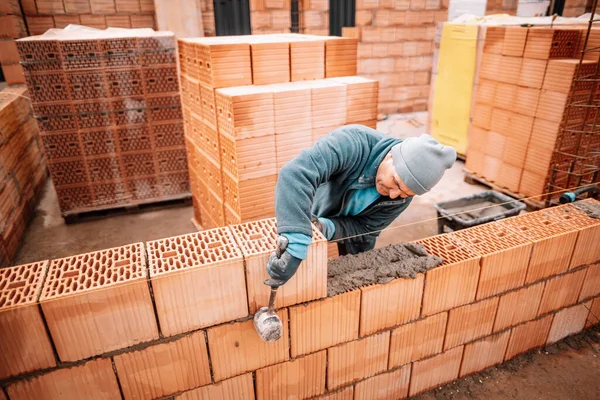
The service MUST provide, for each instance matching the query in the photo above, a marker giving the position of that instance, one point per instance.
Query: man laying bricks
(352, 183)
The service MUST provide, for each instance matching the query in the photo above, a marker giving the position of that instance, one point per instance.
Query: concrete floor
(48, 237)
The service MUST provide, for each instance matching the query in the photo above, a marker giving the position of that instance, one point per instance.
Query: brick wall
(501, 7)
(12, 26)
(503, 289)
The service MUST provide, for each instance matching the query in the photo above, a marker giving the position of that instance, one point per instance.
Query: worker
(352, 184)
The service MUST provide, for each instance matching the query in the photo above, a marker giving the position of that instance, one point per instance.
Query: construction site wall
(171, 317)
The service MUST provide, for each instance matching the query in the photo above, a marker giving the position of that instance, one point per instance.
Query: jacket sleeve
(299, 179)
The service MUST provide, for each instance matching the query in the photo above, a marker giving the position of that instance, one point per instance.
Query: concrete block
(568, 321)
(528, 336)
(435, 371)
(389, 385)
(417, 340)
(340, 314)
(236, 348)
(484, 353)
(518, 306)
(470, 322)
(562, 291)
(177, 365)
(300, 378)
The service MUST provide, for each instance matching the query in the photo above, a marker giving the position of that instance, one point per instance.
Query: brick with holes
(504, 257)
(470, 322)
(24, 343)
(528, 336)
(257, 241)
(562, 291)
(454, 282)
(518, 306)
(484, 353)
(553, 243)
(98, 302)
(239, 388)
(197, 280)
(435, 371)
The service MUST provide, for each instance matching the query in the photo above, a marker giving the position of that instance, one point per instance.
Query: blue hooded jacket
(318, 182)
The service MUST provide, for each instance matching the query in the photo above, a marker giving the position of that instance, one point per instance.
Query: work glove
(326, 227)
(282, 265)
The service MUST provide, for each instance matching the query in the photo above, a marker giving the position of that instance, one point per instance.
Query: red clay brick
(417, 340)
(346, 393)
(24, 343)
(92, 380)
(518, 306)
(198, 280)
(435, 371)
(594, 316)
(504, 257)
(389, 385)
(553, 243)
(235, 348)
(357, 360)
(391, 304)
(470, 322)
(454, 283)
(178, 365)
(568, 321)
(75, 286)
(484, 353)
(591, 283)
(257, 241)
(339, 313)
(296, 379)
(528, 336)
(238, 388)
(562, 291)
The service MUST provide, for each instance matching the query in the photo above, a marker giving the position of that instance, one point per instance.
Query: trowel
(266, 321)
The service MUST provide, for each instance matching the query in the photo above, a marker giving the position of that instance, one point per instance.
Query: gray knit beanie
(421, 161)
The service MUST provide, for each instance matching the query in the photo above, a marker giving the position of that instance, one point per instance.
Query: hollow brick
(435, 371)
(553, 243)
(222, 64)
(391, 304)
(454, 282)
(357, 360)
(236, 348)
(484, 353)
(470, 322)
(94, 380)
(568, 321)
(245, 112)
(504, 257)
(24, 343)
(270, 60)
(562, 291)
(74, 289)
(257, 240)
(518, 306)
(591, 283)
(389, 385)
(339, 313)
(528, 336)
(307, 59)
(346, 393)
(197, 280)
(297, 379)
(417, 340)
(239, 388)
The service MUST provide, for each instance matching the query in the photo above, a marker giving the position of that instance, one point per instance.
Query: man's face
(388, 182)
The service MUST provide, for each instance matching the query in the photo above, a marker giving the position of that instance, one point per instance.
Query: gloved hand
(282, 265)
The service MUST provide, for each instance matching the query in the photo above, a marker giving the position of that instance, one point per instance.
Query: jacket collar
(378, 153)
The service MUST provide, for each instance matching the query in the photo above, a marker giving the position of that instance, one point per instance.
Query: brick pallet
(22, 169)
(520, 105)
(12, 26)
(252, 103)
(503, 289)
(109, 112)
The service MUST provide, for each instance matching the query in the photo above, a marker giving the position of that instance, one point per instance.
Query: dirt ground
(567, 370)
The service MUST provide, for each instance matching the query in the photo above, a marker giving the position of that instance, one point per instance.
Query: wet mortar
(477, 210)
(402, 260)
(591, 209)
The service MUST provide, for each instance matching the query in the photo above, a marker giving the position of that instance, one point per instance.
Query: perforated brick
(30, 349)
(270, 60)
(484, 353)
(591, 283)
(470, 322)
(138, 164)
(61, 145)
(586, 250)
(389, 385)
(553, 243)
(394, 303)
(527, 336)
(103, 169)
(504, 257)
(307, 59)
(235, 348)
(239, 388)
(340, 56)
(435, 371)
(222, 62)
(245, 112)
(47, 87)
(203, 272)
(168, 134)
(454, 282)
(257, 240)
(74, 197)
(132, 139)
(518, 306)
(562, 291)
(115, 278)
(124, 82)
(545, 43)
(68, 172)
(340, 313)
(160, 79)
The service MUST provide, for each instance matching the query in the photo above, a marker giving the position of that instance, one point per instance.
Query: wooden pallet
(72, 217)
(532, 205)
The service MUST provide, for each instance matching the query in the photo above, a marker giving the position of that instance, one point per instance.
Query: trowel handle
(282, 244)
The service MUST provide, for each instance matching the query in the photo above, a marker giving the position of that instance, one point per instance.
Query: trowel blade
(268, 325)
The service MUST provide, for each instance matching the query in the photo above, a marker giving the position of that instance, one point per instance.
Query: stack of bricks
(109, 113)
(503, 289)
(22, 169)
(12, 26)
(42, 15)
(521, 104)
(501, 7)
(396, 43)
(270, 16)
(252, 103)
